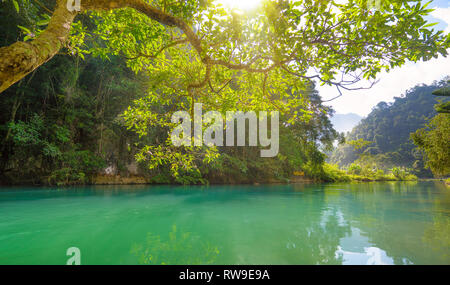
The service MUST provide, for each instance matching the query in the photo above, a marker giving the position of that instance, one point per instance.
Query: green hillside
(387, 130)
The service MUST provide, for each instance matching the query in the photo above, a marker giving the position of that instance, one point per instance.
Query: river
(352, 223)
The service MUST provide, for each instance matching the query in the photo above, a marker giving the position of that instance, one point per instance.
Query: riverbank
(140, 180)
(330, 173)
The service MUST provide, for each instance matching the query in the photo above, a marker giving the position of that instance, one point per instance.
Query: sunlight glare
(243, 5)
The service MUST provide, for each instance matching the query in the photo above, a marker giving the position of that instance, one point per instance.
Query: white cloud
(444, 15)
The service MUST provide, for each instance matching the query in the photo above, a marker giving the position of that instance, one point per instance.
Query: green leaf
(42, 22)
(16, 5)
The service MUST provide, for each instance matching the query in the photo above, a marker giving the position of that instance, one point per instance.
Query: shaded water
(364, 223)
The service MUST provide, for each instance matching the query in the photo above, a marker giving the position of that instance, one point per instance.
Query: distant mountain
(345, 122)
(388, 128)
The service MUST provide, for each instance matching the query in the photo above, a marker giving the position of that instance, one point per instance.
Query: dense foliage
(60, 124)
(300, 144)
(386, 133)
(434, 139)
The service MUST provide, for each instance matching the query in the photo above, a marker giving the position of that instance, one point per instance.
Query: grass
(333, 173)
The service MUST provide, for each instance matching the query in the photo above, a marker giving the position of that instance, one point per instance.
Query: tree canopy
(443, 107)
(283, 41)
(434, 141)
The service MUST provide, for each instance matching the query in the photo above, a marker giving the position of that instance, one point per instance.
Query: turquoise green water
(367, 223)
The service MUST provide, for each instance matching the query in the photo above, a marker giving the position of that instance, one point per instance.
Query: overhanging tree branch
(21, 58)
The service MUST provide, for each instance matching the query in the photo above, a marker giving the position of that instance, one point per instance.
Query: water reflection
(370, 256)
(389, 220)
(437, 235)
(371, 224)
(180, 248)
(353, 247)
(356, 249)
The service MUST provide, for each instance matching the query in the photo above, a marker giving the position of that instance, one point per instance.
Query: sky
(398, 80)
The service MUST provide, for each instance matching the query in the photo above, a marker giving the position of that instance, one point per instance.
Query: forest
(91, 103)
(385, 135)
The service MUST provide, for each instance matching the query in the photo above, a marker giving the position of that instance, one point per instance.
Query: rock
(103, 179)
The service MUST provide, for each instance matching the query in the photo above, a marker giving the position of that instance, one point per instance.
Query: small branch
(181, 41)
(43, 6)
(221, 88)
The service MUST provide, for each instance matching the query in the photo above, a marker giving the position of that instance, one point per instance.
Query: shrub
(332, 173)
(354, 169)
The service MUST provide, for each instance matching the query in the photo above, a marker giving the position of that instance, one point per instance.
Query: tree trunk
(21, 58)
